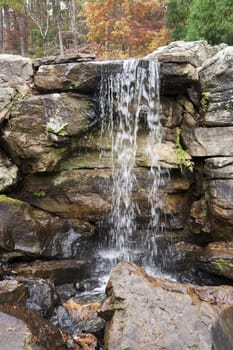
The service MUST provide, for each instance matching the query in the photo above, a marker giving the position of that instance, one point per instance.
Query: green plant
(182, 156)
(204, 102)
(39, 194)
(58, 129)
(221, 264)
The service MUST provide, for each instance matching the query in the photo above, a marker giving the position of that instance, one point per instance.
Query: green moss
(5, 199)
(86, 105)
(223, 264)
(58, 129)
(205, 102)
(39, 194)
(61, 150)
(15, 203)
(141, 190)
(181, 155)
(124, 347)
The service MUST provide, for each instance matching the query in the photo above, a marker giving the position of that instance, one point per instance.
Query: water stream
(129, 97)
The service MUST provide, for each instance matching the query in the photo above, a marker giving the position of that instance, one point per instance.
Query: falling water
(130, 96)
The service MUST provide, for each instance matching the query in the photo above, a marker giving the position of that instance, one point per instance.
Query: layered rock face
(56, 190)
(51, 143)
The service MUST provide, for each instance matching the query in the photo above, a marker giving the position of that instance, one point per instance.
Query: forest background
(110, 28)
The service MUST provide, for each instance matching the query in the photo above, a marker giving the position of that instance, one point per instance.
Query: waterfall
(129, 96)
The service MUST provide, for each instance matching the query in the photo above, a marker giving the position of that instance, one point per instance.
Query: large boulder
(15, 69)
(179, 65)
(40, 127)
(192, 52)
(16, 335)
(143, 312)
(82, 77)
(15, 79)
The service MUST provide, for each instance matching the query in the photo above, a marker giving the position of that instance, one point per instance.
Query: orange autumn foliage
(126, 28)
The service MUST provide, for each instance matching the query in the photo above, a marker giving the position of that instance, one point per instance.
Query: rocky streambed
(56, 194)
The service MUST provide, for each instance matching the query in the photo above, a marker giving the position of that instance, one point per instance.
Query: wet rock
(27, 328)
(63, 319)
(42, 296)
(59, 271)
(81, 341)
(8, 173)
(54, 118)
(143, 312)
(217, 259)
(81, 193)
(25, 228)
(86, 316)
(204, 142)
(12, 291)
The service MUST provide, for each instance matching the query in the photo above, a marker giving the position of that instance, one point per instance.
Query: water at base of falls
(129, 99)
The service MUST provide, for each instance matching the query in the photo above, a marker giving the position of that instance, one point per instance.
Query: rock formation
(56, 192)
(143, 312)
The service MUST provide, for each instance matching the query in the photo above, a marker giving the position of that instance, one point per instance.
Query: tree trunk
(58, 22)
(22, 26)
(74, 23)
(1, 32)
(7, 28)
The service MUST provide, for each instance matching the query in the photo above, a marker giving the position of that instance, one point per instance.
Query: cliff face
(55, 187)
